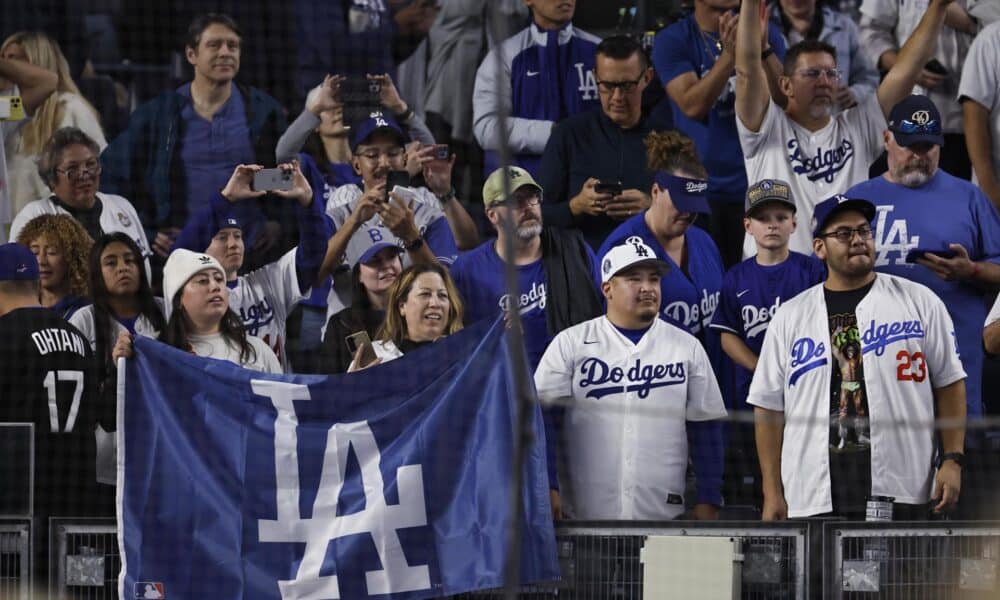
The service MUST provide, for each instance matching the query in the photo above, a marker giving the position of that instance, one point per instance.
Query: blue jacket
(143, 162)
(549, 75)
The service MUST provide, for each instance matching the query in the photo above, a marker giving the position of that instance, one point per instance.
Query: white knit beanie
(181, 266)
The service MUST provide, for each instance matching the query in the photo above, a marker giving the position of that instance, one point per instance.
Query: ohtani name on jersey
(877, 337)
(640, 378)
(825, 164)
(807, 354)
(533, 298)
(58, 340)
(256, 316)
(756, 319)
(693, 316)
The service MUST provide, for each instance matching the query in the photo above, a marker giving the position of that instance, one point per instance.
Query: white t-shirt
(908, 345)
(981, 82)
(625, 432)
(117, 214)
(816, 164)
(215, 346)
(7, 129)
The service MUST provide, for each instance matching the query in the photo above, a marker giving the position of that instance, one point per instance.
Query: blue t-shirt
(479, 276)
(688, 300)
(210, 150)
(947, 210)
(683, 48)
(128, 323)
(751, 294)
(633, 335)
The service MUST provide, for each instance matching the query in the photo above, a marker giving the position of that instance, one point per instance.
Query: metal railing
(85, 559)
(15, 558)
(932, 560)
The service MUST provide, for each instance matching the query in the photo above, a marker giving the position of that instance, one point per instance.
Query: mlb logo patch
(149, 589)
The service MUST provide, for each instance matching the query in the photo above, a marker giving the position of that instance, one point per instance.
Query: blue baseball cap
(688, 195)
(229, 222)
(17, 263)
(374, 249)
(834, 205)
(374, 123)
(916, 119)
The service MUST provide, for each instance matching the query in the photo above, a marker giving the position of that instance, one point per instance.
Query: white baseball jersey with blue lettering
(816, 164)
(908, 349)
(263, 300)
(624, 432)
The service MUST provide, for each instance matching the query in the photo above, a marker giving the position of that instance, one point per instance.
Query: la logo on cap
(841, 199)
(638, 245)
(921, 117)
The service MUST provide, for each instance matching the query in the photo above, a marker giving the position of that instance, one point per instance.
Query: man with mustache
(182, 146)
(906, 372)
(554, 267)
(817, 153)
(920, 206)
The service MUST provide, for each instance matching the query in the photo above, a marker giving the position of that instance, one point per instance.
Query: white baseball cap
(182, 265)
(633, 251)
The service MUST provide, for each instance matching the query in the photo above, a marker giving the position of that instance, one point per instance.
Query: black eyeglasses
(845, 234)
(88, 169)
(519, 201)
(609, 87)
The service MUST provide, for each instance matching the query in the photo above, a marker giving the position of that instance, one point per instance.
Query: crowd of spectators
(669, 236)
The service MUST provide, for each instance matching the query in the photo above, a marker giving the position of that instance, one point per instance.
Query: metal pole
(515, 335)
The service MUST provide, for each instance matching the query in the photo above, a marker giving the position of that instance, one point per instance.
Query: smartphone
(396, 178)
(363, 341)
(913, 255)
(360, 97)
(11, 108)
(441, 152)
(615, 189)
(935, 66)
(267, 180)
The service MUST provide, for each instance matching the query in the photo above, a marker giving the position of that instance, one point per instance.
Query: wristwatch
(957, 457)
(447, 196)
(415, 245)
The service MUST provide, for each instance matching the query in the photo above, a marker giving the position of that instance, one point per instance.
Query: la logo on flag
(149, 589)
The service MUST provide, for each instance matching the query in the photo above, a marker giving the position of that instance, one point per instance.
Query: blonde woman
(65, 108)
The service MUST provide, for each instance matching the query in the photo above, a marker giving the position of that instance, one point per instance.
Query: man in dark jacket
(592, 150)
(554, 267)
(182, 146)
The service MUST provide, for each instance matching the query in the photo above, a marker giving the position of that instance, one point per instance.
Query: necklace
(710, 42)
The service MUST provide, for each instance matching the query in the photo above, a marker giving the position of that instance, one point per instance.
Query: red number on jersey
(911, 367)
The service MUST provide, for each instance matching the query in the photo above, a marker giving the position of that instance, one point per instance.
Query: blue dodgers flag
(393, 482)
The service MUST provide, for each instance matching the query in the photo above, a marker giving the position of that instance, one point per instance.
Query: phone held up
(917, 253)
(364, 342)
(613, 188)
(267, 180)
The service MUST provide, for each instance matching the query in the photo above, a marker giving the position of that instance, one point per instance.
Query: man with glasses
(817, 153)
(860, 435)
(70, 165)
(594, 166)
(547, 74)
(554, 269)
(936, 229)
(417, 219)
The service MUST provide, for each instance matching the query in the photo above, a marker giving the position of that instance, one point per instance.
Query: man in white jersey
(634, 387)
(262, 298)
(818, 154)
(831, 459)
